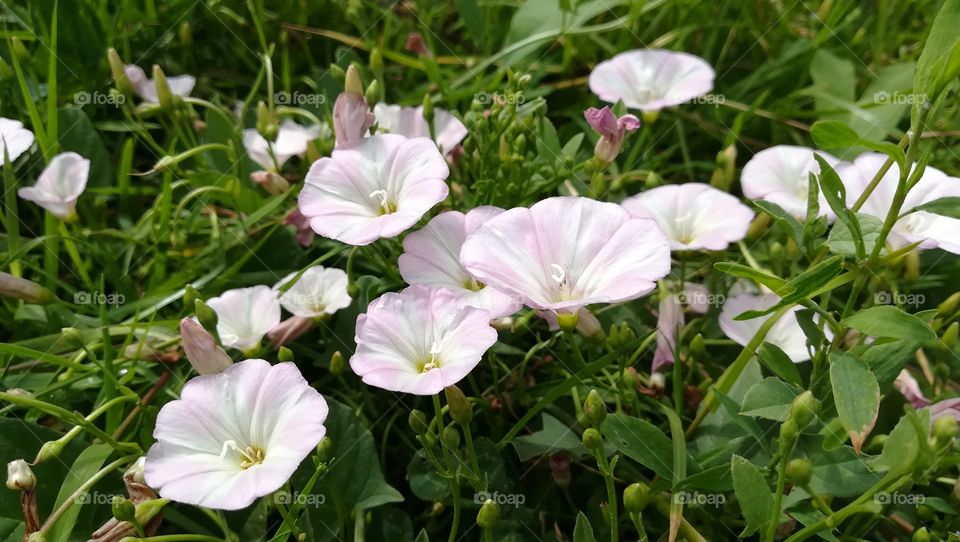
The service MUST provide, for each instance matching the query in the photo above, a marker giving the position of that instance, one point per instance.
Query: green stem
(612, 512)
(85, 487)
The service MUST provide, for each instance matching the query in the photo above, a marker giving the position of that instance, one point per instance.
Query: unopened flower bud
(190, 296)
(911, 270)
(560, 468)
(460, 408)
(949, 305)
(592, 440)
(336, 363)
(376, 61)
(697, 347)
(451, 438)
(201, 349)
(337, 73)
(921, 535)
(945, 429)
(950, 335)
(352, 82)
(284, 354)
(758, 226)
(374, 93)
(123, 509)
(18, 288)
(789, 431)
(804, 409)
(135, 472)
(73, 337)
(49, 450)
(165, 96)
(799, 471)
(658, 381)
(19, 476)
(325, 449)
(186, 33)
(594, 409)
(266, 122)
(206, 316)
(119, 73)
(272, 182)
(418, 422)
(636, 497)
(488, 515)
(428, 109)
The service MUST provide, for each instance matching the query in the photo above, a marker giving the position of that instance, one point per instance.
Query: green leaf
(834, 76)
(890, 321)
(833, 134)
(770, 399)
(886, 360)
(935, 67)
(903, 445)
(841, 240)
(784, 220)
(642, 442)
(779, 363)
(745, 272)
(948, 206)
(87, 464)
(753, 494)
(800, 287)
(583, 531)
(856, 394)
(554, 436)
(473, 19)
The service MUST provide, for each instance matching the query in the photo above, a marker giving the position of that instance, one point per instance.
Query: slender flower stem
(454, 478)
(612, 512)
(72, 499)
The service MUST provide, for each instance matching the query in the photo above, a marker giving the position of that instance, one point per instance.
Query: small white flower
(59, 185)
(245, 315)
(14, 139)
(319, 291)
(292, 140)
(651, 79)
(146, 88)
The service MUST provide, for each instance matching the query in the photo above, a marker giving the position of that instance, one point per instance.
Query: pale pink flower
(669, 321)
(932, 230)
(318, 292)
(201, 349)
(786, 333)
(146, 88)
(781, 175)
(696, 297)
(420, 341)
(289, 330)
(564, 253)
(651, 79)
(377, 187)
(351, 118)
(947, 407)
(910, 388)
(235, 436)
(59, 185)
(612, 131)
(409, 121)
(14, 139)
(245, 315)
(301, 225)
(292, 140)
(431, 257)
(694, 216)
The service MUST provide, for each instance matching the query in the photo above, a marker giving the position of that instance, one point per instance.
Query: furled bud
(119, 73)
(451, 437)
(804, 409)
(337, 73)
(636, 497)
(460, 408)
(799, 471)
(336, 363)
(949, 305)
(612, 132)
(418, 422)
(945, 429)
(376, 61)
(488, 515)
(284, 354)
(325, 449)
(273, 183)
(123, 509)
(950, 335)
(352, 82)
(18, 288)
(190, 296)
(165, 96)
(73, 337)
(921, 535)
(19, 476)
(201, 349)
(592, 440)
(51, 449)
(266, 122)
(374, 93)
(594, 409)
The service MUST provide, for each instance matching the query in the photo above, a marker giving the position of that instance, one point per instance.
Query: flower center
(473, 284)
(684, 228)
(248, 456)
(561, 277)
(386, 206)
(433, 362)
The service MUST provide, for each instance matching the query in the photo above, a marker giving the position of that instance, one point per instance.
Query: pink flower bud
(201, 349)
(611, 129)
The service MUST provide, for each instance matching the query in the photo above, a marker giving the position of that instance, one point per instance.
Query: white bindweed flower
(146, 88)
(235, 436)
(431, 257)
(409, 121)
(245, 315)
(14, 139)
(420, 341)
(781, 175)
(318, 292)
(292, 140)
(786, 333)
(694, 216)
(931, 230)
(59, 185)
(651, 79)
(375, 187)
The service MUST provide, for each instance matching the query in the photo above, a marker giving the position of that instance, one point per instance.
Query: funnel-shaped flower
(781, 175)
(564, 253)
(786, 333)
(235, 436)
(146, 88)
(420, 341)
(431, 257)
(932, 230)
(245, 315)
(409, 121)
(319, 291)
(14, 139)
(59, 185)
(651, 79)
(292, 139)
(376, 187)
(694, 216)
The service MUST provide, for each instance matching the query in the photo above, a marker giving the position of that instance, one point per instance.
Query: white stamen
(381, 195)
(227, 446)
(560, 274)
